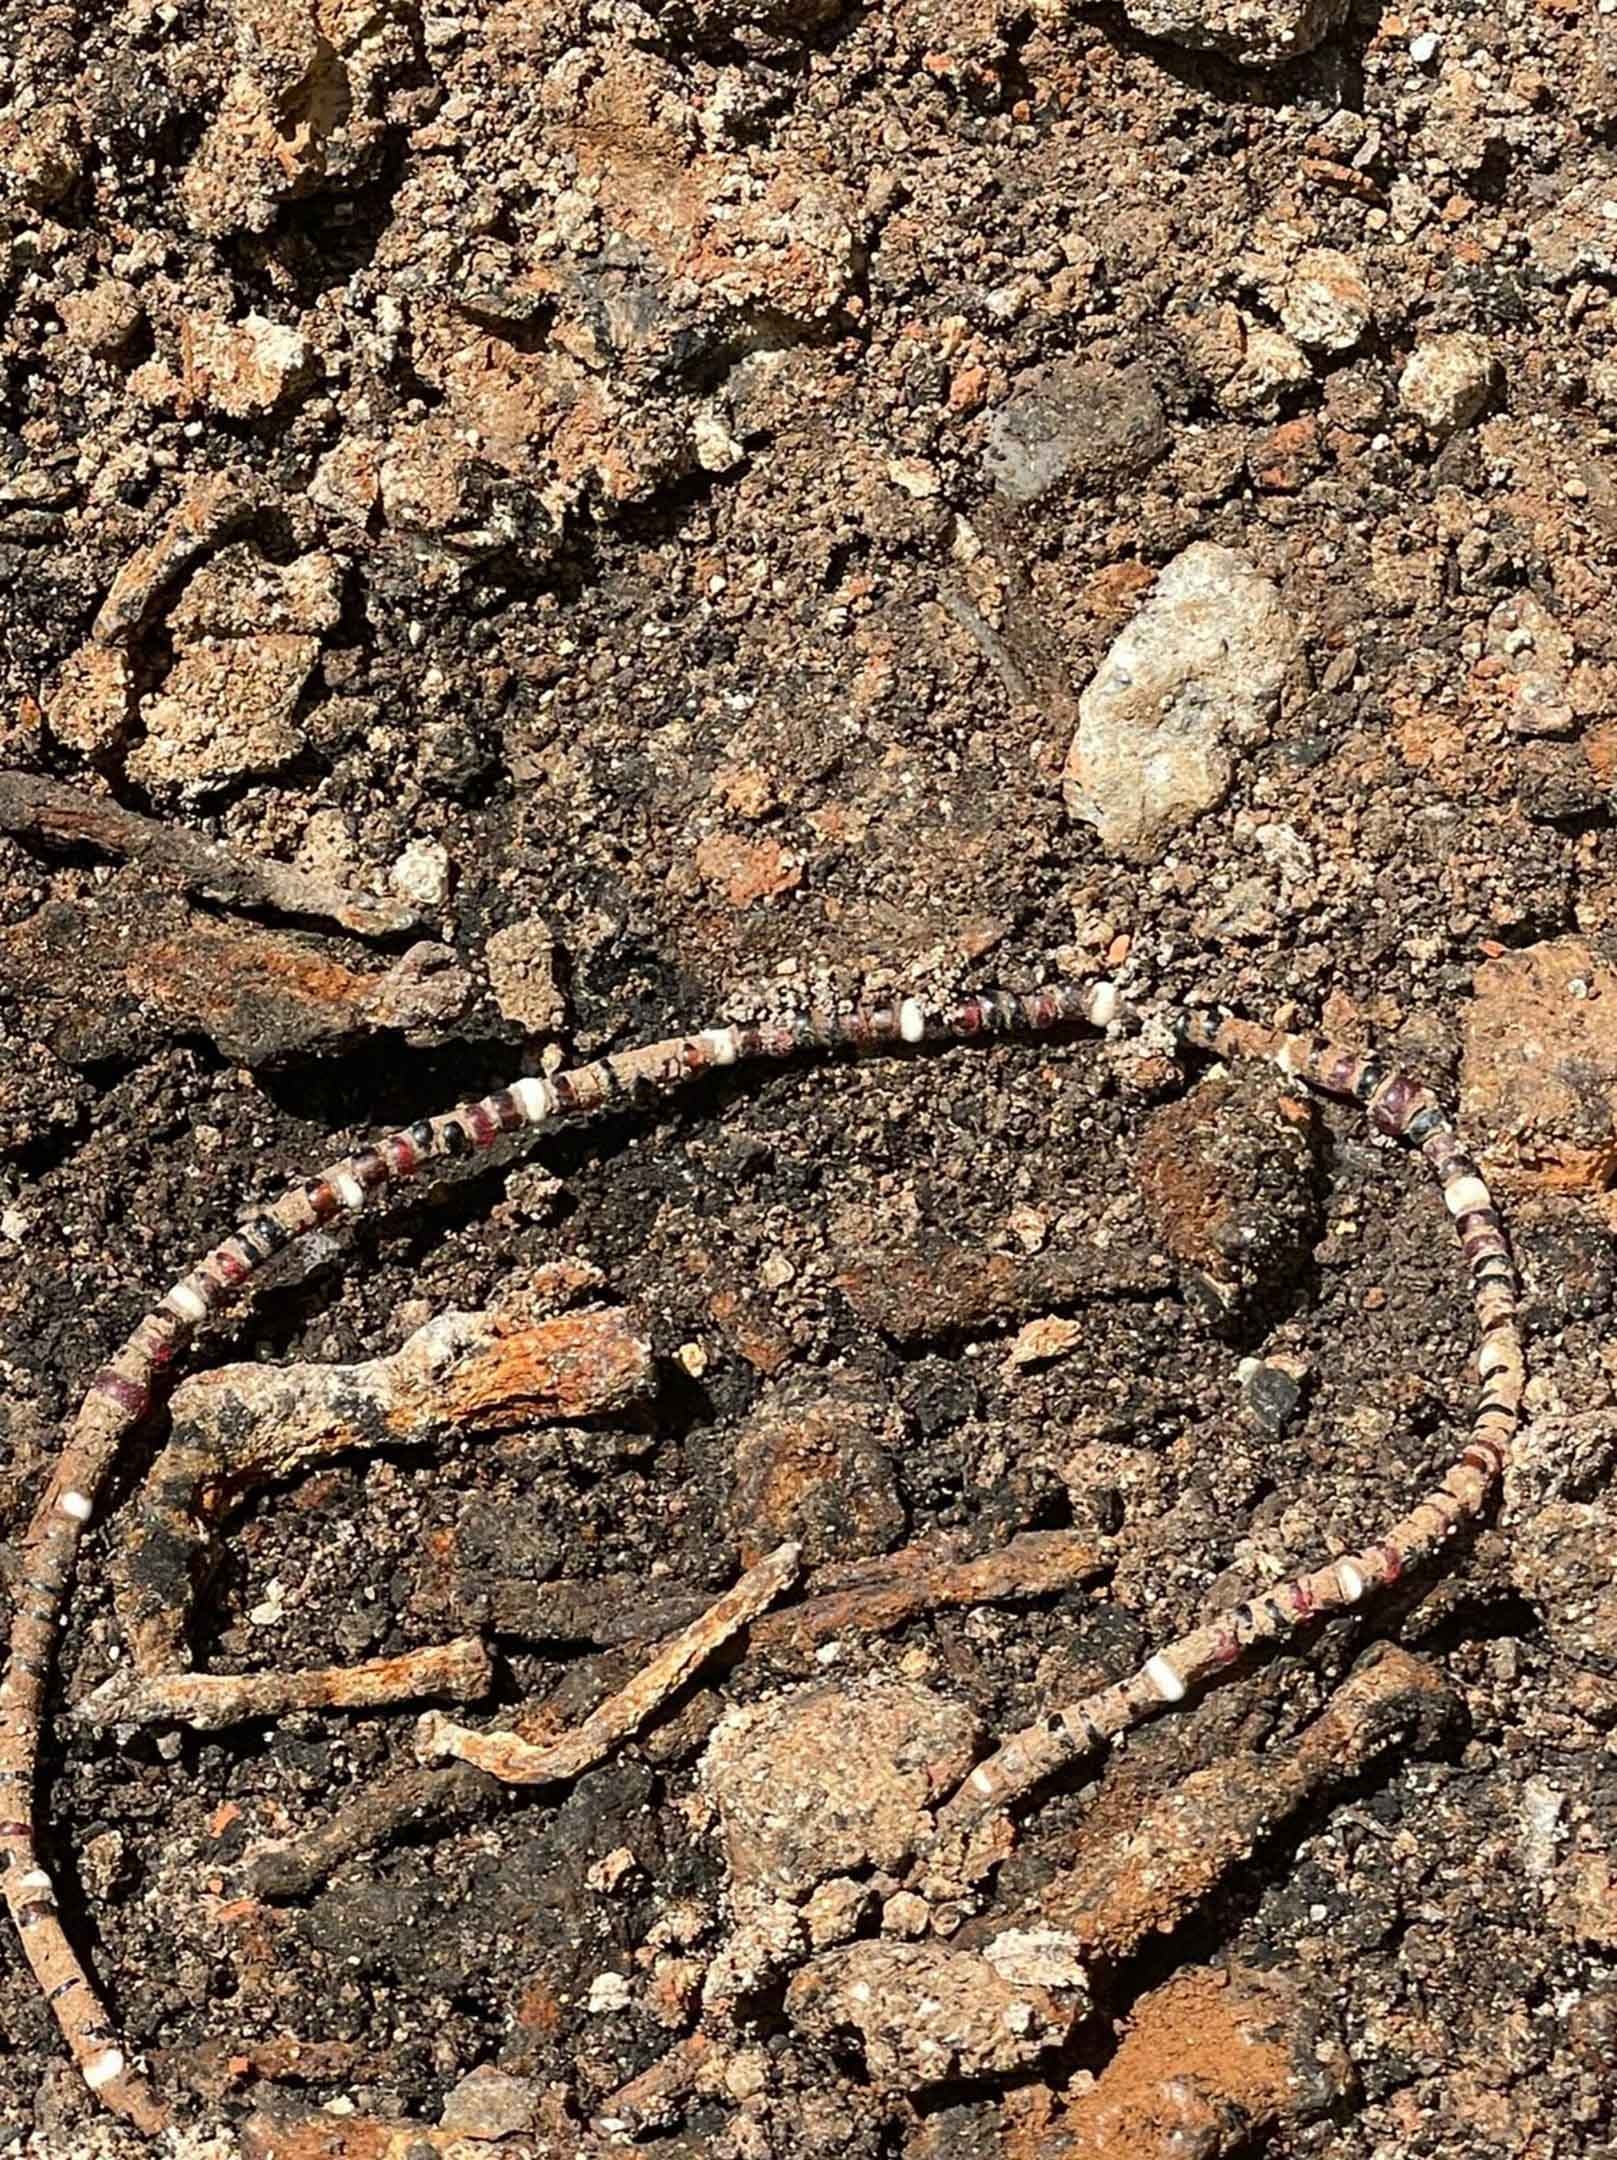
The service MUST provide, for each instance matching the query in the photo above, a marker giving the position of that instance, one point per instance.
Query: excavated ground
(639, 493)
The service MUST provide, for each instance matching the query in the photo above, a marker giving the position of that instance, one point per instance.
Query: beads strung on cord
(124, 1390)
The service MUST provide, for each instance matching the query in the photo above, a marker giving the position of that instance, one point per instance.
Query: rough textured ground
(645, 490)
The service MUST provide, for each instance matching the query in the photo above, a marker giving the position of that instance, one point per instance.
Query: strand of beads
(124, 1390)
(1404, 1109)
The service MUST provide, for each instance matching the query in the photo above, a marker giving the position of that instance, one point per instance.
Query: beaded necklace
(124, 1390)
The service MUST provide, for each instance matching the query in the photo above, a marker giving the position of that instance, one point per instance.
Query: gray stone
(1196, 675)
(1258, 33)
(1578, 238)
(1073, 421)
(490, 2103)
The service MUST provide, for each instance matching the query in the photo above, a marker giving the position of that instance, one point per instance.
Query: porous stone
(747, 870)
(305, 111)
(925, 2013)
(1194, 677)
(41, 155)
(1257, 33)
(1326, 303)
(1538, 1085)
(225, 709)
(829, 1780)
(1447, 380)
(1073, 421)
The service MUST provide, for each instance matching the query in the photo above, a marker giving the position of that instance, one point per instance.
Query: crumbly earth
(647, 488)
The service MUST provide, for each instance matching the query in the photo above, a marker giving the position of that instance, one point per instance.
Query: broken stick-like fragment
(1153, 1873)
(462, 1671)
(415, 1799)
(238, 1427)
(38, 809)
(211, 508)
(516, 1761)
(877, 1596)
(872, 1596)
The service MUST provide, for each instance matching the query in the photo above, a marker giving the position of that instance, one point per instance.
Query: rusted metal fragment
(516, 1761)
(244, 1424)
(50, 811)
(1149, 1877)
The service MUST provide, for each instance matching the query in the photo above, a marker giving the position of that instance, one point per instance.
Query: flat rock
(1071, 422)
(1195, 676)
(829, 1780)
(1538, 1084)
(925, 2013)
(1257, 33)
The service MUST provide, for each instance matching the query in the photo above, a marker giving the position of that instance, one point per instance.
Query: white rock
(421, 874)
(1446, 381)
(1255, 32)
(1195, 675)
(1271, 364)
(1537, 657)
(609, 1993)
(1039, 1957)
(717, 450)
(1326, 304)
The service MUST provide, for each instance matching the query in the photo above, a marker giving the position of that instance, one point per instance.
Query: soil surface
(666, 514)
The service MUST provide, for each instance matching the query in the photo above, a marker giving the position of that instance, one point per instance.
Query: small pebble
(421, 874)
